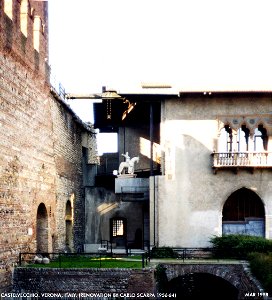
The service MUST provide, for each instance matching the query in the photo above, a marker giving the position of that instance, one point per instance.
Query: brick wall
(40, 146)
(21, 45)
(27, 163)
(84, 280)
(68, 138)
(238, 275)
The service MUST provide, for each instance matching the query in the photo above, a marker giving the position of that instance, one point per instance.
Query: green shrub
(163, 252)
(239, 246)
(261, 268)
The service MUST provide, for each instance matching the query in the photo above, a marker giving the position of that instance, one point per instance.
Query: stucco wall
(189, 196)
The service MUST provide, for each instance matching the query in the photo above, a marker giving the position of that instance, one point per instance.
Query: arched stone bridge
(238, 275)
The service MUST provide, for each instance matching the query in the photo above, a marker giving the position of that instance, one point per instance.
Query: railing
(130, 247)
(56, 85)
(242, 159)
(194, 253)
(208, 253)
(182, 253)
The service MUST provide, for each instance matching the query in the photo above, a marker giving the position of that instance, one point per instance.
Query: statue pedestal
(126, 176)
(132, 185)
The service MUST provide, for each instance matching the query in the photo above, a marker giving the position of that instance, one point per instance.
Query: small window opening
(117, 227)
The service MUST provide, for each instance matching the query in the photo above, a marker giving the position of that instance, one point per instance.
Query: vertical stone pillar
(268, 227)
(153, 210)
(235, 140)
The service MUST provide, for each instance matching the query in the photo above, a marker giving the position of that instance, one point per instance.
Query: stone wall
(67, 138)
(27, 165)
(237, 275)
(84, 280)
(134, 282)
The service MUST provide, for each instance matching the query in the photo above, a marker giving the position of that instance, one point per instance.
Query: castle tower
(24, 34)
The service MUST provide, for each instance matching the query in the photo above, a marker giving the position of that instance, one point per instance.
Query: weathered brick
(40, 146)
(84, 280)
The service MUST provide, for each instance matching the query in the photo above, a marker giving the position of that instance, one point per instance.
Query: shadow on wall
(103, 213)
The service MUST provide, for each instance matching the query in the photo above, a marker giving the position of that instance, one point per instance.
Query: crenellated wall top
(24, 32)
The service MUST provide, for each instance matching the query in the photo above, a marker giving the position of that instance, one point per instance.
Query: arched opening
(69, 226)
(42, 229)
(225, 142)
(260, 139)
(242, 142)
(243, 134)
(202, 286)
(243, 213)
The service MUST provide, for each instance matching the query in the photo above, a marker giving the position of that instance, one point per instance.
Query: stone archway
(227, 275)
(202, 286)
(68, 226)
(243, 213)
(42, 229)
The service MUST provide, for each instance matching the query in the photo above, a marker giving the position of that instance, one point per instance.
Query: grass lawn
(133, 262)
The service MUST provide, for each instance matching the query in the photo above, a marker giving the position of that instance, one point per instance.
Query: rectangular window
(117, 227)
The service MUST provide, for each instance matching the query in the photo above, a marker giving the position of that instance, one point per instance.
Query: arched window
(242, 139)
(8, 8)
(225, 139)
(260, 139)
(243, 213)
(24, 17)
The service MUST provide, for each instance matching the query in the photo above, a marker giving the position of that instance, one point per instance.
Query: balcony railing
(242, 159)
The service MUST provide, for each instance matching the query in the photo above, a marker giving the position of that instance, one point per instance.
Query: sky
(202, 45)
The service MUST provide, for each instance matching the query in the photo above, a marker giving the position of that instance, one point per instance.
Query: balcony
(239, 160)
